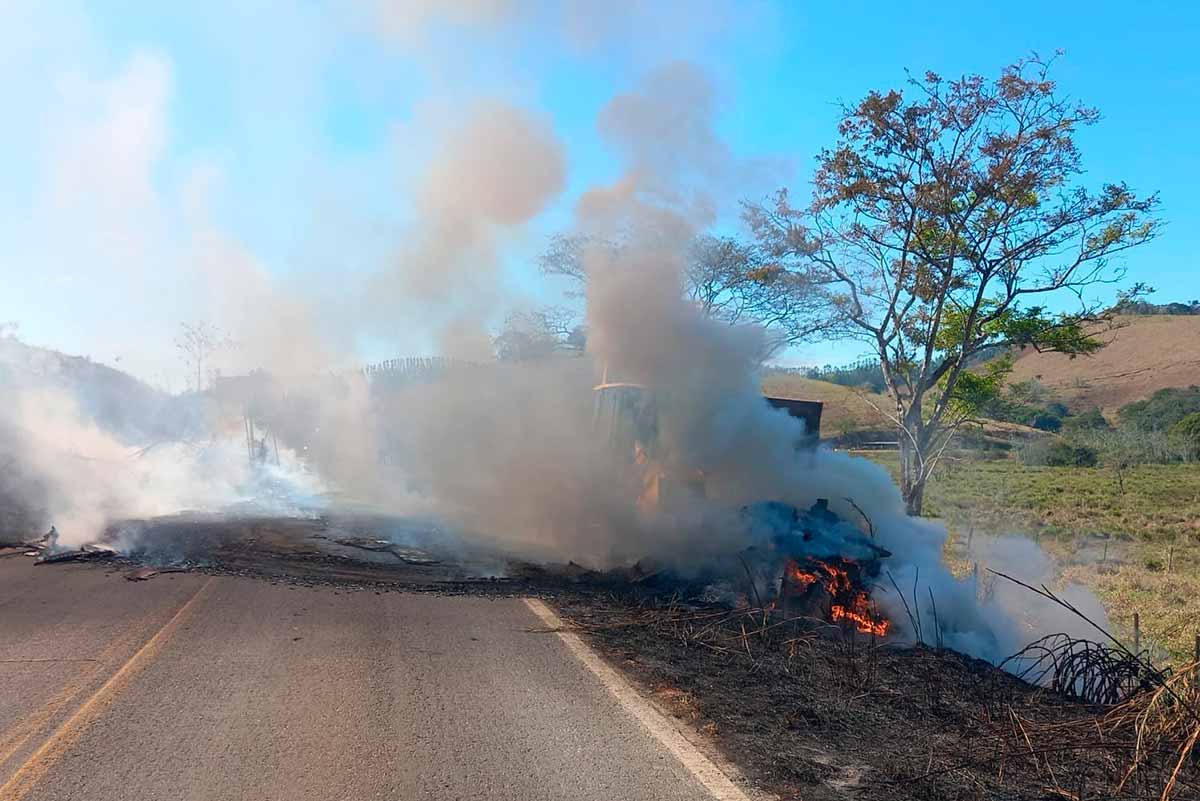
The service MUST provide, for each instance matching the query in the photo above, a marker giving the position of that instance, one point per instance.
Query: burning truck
(802, 562)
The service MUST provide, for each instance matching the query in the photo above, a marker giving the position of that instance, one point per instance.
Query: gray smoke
(515, 454)
(493, 172)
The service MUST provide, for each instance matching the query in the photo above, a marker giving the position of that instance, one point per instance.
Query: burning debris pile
(809, 565)
(828, 565)
(839, 580)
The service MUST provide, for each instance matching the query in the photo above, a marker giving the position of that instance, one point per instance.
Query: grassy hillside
(1146, 354)
(846, 409)
(1138, 548)
(849, 410)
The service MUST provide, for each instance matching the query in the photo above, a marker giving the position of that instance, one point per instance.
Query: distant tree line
(868, 373)
(864, 373)
(1135, 306)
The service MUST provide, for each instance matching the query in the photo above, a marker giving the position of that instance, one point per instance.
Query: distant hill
(850, 414)
(114, 400)
(1146, 354)
(846, 409)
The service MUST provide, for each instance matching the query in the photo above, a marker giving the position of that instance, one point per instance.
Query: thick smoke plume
(493, 172)
(515, 455)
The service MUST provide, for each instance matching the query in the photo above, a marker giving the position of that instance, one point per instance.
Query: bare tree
(735, 282)
(197, 342)
(540, 333)
(727, 279)
(939, 220)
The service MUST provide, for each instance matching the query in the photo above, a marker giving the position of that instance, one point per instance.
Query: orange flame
(798, 576)
(840, 587)
(860, 615)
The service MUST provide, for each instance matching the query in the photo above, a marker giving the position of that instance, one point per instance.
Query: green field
(1136, 546)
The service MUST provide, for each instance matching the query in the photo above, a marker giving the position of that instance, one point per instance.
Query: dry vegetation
(846, 409)
(1138, 549)
(1145, 354)
(810, 710)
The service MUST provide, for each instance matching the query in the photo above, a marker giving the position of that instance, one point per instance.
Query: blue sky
(292, 134)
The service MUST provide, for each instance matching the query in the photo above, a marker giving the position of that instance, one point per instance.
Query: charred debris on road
(780, 658)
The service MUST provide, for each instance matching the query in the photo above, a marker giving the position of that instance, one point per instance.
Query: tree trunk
(912, 473)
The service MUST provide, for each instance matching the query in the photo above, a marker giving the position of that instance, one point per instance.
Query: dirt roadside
(817, 713)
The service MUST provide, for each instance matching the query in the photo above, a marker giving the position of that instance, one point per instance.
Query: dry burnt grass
(810, 711)
(807, 710)
(1145, 353)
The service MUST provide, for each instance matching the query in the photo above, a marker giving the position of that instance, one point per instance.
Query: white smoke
(514, 453)
(510, 453)
(85, 448)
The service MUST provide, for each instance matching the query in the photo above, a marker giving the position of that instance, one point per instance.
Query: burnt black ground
(816, 712)
(813, 712)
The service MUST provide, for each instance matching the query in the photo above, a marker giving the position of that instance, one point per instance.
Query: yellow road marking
(15, 738)
(718, 784)
(51, 751)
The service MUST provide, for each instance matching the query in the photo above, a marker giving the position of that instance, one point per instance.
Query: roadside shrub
(1058, 453)
(1074, 456)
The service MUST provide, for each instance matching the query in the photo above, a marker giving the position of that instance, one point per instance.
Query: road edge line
(659, 726)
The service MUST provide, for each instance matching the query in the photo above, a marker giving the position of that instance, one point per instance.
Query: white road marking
(659, 727)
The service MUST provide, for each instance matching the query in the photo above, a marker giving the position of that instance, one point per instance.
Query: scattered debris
(86, 553)
(575, 571)
(27, 547)
(412, 556)
(366, 543)
(148, 572)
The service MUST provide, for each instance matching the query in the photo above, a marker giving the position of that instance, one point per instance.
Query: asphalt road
(195, 687)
